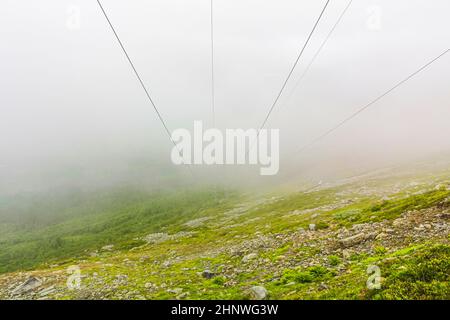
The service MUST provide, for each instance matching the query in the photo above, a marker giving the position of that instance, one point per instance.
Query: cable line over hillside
(212, 68)
(358, 111)
(288, 76)
(316, 54)
(293, 67)
(140, 79)
(137, 74)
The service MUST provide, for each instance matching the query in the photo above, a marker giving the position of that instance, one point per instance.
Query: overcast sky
(69, 98)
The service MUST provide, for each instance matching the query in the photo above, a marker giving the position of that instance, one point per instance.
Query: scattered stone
(445, 216)
(346, 254)
(149, 285)
(207, 274)
(323, 286)
(29, 285)
(249, 257)
(109, 247)
(381, 236)
(196, 222)
(175, 291)
(155, 238)
(182, 295)
(46, 291)
(356, 239)
(258, 293)
(419, 228)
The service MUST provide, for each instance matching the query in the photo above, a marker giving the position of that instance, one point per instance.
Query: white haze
(73, 113)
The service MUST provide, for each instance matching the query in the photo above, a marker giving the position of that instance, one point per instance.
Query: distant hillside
(375, 236)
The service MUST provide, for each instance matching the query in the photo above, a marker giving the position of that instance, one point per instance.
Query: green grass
(419, 271)
(374, 210)
(312, 274)
(423, 275)
(87, 226)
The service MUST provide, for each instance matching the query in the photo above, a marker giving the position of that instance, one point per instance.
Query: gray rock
(356, 239)
(323, 286)
(445, 216)
(381, 236)
(109, 247)
(46, 291)
(29, 285)
(182, 295)
(258, 293)
(207, 274)
(249, 257)
(175, 291)
(149, 285)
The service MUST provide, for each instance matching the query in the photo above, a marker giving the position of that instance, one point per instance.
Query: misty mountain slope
(304, 245)
(38, 229)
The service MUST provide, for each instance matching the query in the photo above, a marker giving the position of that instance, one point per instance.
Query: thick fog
(73, 113)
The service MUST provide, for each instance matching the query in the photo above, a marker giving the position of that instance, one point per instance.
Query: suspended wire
(212, 84)
(252, 143)
(358, 111)
(316, 54)
(293, 66)
(213, 107)
(137, 74)
(140, 79)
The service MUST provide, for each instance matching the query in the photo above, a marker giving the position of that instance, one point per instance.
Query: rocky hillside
(380, 236)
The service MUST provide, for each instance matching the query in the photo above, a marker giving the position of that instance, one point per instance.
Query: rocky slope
(379, 237)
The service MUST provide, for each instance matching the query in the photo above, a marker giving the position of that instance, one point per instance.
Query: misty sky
(68, 97)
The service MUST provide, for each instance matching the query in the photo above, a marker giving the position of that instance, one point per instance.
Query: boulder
(356, 239)
(29, 285)
(258, 293)
(207, 274)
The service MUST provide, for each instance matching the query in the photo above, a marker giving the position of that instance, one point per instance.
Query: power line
(212, 68)
(316, 54)
(293, 66)
(137, 74)
(142, 84)
(252, 143)
(353, 115)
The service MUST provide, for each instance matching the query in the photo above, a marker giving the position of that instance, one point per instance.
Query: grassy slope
(30, 238)
(416, 270)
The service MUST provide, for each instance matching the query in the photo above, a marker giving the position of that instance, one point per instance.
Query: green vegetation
(422, 275)
(242, 243)
(312, 274)
(40, 232)
(368, 211)
(334, 260)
